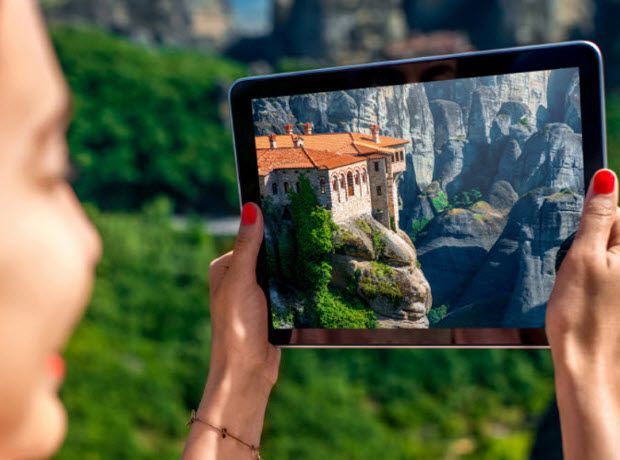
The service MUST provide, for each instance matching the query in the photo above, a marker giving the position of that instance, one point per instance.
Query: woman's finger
(614, 238)
(599, 214)
(218, 269)
(248, 242)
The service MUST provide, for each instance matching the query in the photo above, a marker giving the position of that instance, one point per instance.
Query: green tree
(148, 122)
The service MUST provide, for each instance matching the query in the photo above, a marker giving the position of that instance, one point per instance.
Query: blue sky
(251, 16)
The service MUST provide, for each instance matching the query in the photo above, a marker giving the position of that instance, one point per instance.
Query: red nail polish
(604, 182)
(248, 214)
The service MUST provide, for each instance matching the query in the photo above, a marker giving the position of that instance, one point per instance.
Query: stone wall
(379, 190)
(344, 204)
(331, 195)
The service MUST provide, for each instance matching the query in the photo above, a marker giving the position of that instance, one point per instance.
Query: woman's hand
(244, 365)
(583, 328)
(239, 309)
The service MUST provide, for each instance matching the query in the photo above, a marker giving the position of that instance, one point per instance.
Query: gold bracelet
(225, 434)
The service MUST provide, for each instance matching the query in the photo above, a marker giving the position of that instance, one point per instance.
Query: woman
(48, 252)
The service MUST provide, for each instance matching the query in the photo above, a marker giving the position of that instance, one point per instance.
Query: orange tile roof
(301, 158)
(323, 151)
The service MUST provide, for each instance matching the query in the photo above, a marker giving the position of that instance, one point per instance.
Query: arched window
(274, 188)
(342, 182)
(322, 185)
(297, 187)
(287, 187)
(335, 183)
(364, 177)
(357, 177)
(350, 187)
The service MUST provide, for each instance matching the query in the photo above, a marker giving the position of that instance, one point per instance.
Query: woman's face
(48, 248)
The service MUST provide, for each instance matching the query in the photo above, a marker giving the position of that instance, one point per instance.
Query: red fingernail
(248, 214)
(604, 182)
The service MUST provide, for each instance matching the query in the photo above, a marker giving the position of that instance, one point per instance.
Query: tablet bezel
(582, 54)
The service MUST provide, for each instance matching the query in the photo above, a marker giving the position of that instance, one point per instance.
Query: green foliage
(466, 199)
(148, 122)
(364, 226)
(313, 229)
(419, 228)
(613, 131)
(436, 314)
(392, 223)
(378, 243)
(380, 280)
(440, 201)
(334, 312)
(524, 121)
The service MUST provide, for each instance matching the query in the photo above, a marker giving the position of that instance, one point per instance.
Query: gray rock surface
(456, 244)
(448, 121)
(502, 195)
(552, 157)
(518, 273)
(572, 105)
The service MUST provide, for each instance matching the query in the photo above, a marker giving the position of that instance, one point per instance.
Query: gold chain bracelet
(223, 432)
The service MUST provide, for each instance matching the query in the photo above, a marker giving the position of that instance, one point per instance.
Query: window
(274, 188)
(364, 177)
(379, 190)
(322, 185)
(342, 183)
(297, 187)
(357, 178)
(376, 166)
(350, 188)
(287, 187)
(335, 184)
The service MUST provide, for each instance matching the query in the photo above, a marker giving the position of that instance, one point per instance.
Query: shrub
(334, 312)
(440, 201)
(436, 314)
(419, 228)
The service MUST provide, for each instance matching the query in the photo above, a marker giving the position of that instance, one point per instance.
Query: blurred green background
(152, 143)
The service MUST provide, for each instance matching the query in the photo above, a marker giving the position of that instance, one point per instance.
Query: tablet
(419, 202)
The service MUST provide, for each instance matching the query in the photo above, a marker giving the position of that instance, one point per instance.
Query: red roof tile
(323, 151)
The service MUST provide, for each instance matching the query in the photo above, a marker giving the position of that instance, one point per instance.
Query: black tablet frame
(582, 54)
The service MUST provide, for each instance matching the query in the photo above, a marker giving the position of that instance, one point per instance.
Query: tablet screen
(436, 204)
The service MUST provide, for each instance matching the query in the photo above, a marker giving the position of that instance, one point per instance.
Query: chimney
(374, 129)
(272, 141)
(308, 128)
(288, 128)
(298, 141)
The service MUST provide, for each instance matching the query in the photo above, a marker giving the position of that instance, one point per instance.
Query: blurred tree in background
(148, 123)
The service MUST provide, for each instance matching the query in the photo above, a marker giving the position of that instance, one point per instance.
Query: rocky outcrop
(518, 273)
(552, 157)
(457, 243)
(502, 196)
(382, 265)
(448, 121)
(572, 105)
(176, 22)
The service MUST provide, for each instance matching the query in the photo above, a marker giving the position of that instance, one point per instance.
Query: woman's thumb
(249, 240)
(599, 212)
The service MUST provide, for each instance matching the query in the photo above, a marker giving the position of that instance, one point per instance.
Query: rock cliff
(383, 267)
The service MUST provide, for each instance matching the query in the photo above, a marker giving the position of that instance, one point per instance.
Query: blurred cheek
(47, 256)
